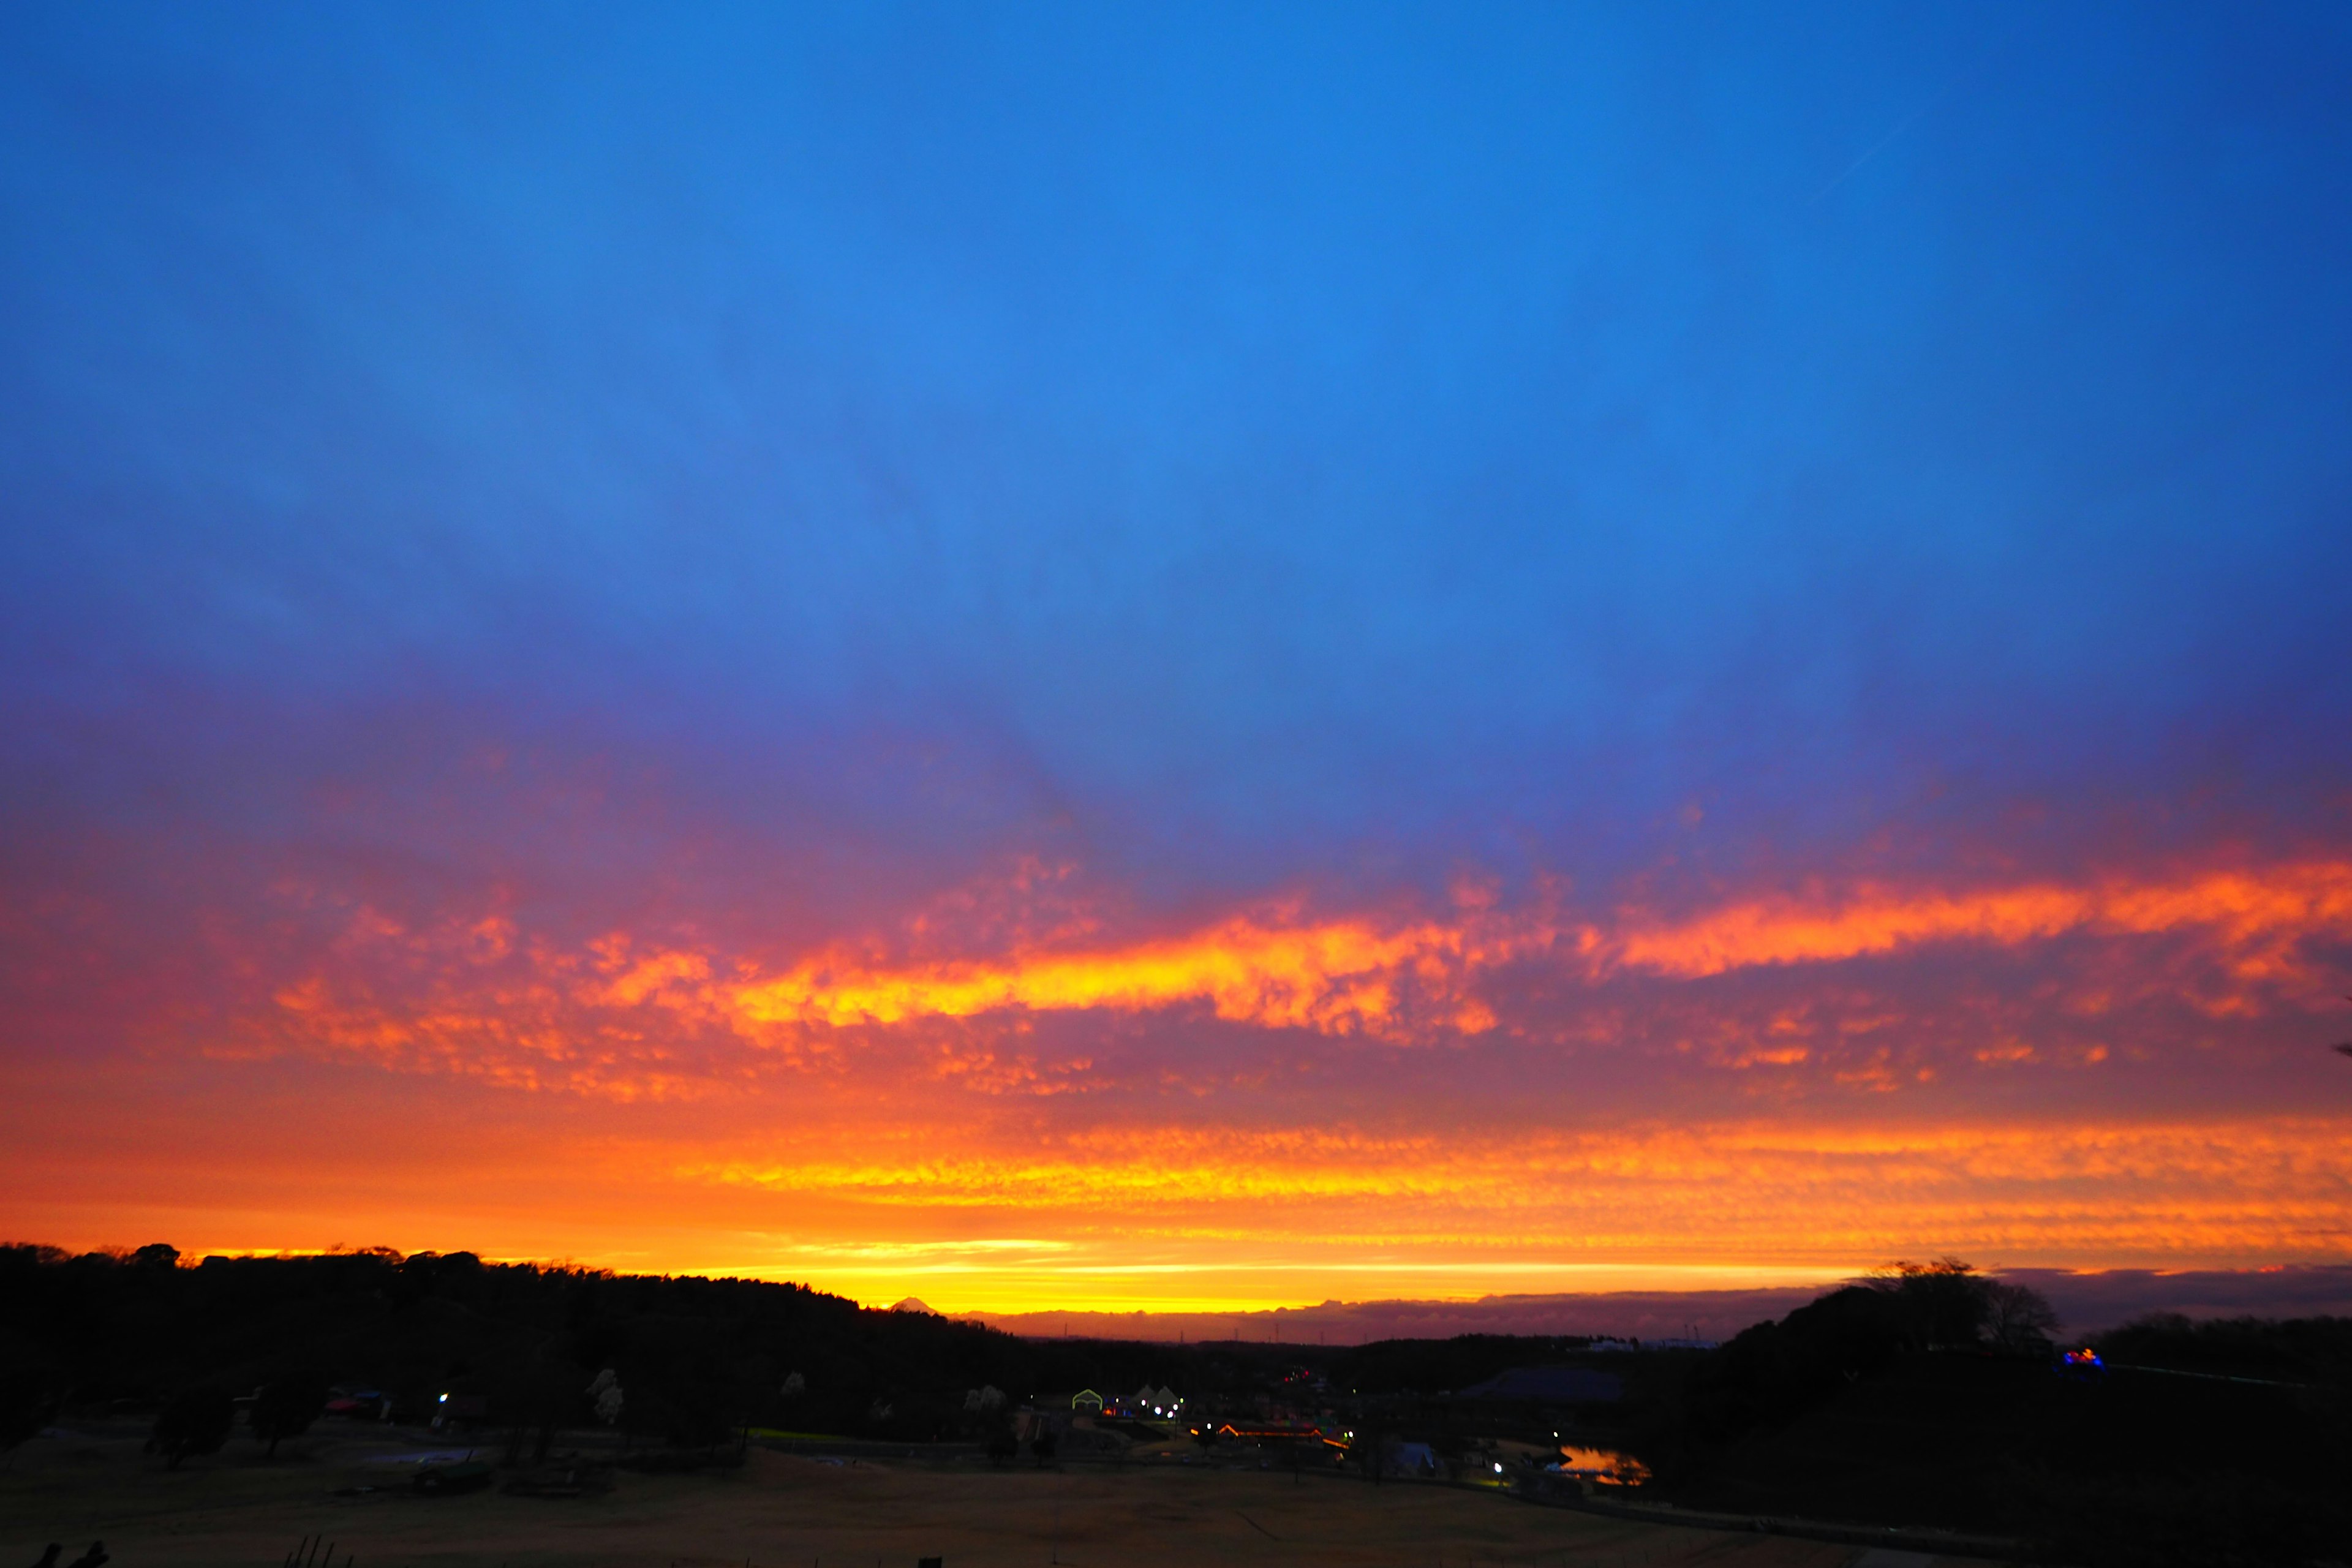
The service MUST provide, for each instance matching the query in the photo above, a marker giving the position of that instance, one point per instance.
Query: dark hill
(2215, 1443)
(521, 1344)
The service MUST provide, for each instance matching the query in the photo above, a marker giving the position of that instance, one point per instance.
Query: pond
(1611, 1466)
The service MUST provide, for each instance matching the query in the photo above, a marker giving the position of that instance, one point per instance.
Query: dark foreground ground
(780, 1511)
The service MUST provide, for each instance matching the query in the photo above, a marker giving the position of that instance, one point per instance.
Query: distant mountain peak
(914, 1304)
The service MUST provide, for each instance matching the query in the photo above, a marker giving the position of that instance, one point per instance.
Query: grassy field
(782, 1511)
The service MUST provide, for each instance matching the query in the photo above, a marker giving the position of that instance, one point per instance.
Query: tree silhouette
(1370, 1440)
(2017, 1318)
(196, 1422)
(29, 1400)
(1943, 1302)
(1947, 1302)
(285, 1407)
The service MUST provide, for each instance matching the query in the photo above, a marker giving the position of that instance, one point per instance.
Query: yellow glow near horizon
(886, 1127)
(1236, 1222)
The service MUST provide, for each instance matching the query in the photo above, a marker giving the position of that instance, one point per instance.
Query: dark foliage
(197, 1421)
(286, 1406)
(1924, 1395)
(1434, 1366)
(1946, 1303)
(2300, 1351)
(2199, 1444)
(28, 1402)
(1773, 1371)
(698, 1358)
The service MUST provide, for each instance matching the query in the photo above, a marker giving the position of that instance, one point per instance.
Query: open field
(781, 1511)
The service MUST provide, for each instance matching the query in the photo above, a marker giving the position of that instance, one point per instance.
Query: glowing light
(1610, 1466)
(1338, 978)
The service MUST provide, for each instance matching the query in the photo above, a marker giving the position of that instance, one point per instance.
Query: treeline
(1435, 1366)
(1774, 1370)
(1929, 1396)
(694, 1358)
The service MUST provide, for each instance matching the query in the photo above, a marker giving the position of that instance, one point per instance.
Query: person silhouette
(93, 1558)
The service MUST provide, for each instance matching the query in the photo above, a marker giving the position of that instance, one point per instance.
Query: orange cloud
(2257, 917)
(1357, 977)
(1637, 1186)
(905, 1108)
(480, 998)
(1342, 977)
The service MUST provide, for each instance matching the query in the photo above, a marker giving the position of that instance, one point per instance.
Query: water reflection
(1610, 1467)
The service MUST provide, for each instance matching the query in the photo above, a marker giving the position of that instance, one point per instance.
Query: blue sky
(1241, 437)
(1141, 625)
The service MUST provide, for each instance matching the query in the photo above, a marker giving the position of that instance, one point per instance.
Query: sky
(1179, 658)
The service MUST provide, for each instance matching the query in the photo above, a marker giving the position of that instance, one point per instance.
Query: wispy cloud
(2255, 917)
(1341, 977)
(653, 1020)
(1806, 1194)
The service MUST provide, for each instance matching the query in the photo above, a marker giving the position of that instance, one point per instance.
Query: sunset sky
(1197, 657)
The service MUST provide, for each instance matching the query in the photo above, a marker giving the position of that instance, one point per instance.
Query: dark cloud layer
(2086, 1303)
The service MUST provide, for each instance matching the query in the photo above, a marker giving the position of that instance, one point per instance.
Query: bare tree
(2017, 1318)
(195, 1422)
(285, 1407)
